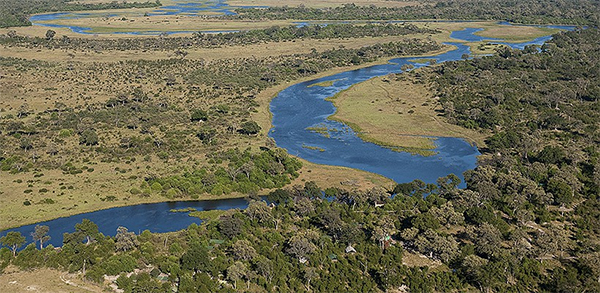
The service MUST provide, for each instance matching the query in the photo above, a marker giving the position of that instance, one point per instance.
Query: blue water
(182, 8)
(468, 35)
(294, 109)
(539, 41)
(155, 217)
(301, 106)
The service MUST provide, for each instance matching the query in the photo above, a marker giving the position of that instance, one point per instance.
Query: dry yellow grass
(44, 280)
(79, 193)
(491, 29)
(334, 176)
(515, 33)
(396, 112)
(413, 260)
(134, 23)
(88, 189)
(245, 51)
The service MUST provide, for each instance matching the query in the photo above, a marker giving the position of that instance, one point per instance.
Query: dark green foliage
(50, 34)
(88, 137)
(551, 155)
(119, 263)
(425, 221)
(87, 230)
(250, 128)
(196, 259)
(230, 226)
(199, 115)
(479, 255)
(529, 11)
(245, 171)
(13, 240)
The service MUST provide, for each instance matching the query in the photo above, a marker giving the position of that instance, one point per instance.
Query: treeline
(201, 40)
(337, 240)
(543, 110)
(258, 74)
(232, 171)
(16, 13)
(582, 12)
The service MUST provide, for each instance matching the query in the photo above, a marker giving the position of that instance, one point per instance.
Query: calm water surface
(294, 109)
(179, 8)
(155, 217)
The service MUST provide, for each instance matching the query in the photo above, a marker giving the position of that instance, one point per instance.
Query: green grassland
(139, 105)
(398, 113)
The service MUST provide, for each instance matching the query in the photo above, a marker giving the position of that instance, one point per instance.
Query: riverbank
(398, 112)
(47, 194)
(92, 184)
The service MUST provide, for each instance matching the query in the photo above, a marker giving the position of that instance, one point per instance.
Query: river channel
(295, 109)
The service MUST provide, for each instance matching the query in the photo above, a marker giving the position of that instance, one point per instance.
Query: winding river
(294, 110)
(178, 8)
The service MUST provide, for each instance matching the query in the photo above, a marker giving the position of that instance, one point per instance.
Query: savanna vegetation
(16, 13)
(142, 121)
(583, 12)
(185, 128)
(202, 40)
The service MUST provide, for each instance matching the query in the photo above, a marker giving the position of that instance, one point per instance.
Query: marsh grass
(397, 113)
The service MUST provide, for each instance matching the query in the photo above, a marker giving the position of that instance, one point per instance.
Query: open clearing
(397, 112)
(44, 280)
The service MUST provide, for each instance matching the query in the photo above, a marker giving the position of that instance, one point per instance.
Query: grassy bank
(398, 113)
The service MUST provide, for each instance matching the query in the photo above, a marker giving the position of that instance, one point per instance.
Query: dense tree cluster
(529, 11)
(233, 171)
(16, 13)
(342, 240)
(202, 40)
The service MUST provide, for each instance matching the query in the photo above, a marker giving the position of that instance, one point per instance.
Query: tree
(258, 210)
(50, 34)
(199, 115)
(236, 271)
(125, 240)
(88, 229)
(230, 226)
(443, 248)
(264, 267)
(300, 247)
(310, 273)
(250, 128)
(196, 258)
(41, 234)
(488, 240)
(279, 196)
(304, 206)
(13, 240)
(88, 137)
(243, 250)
